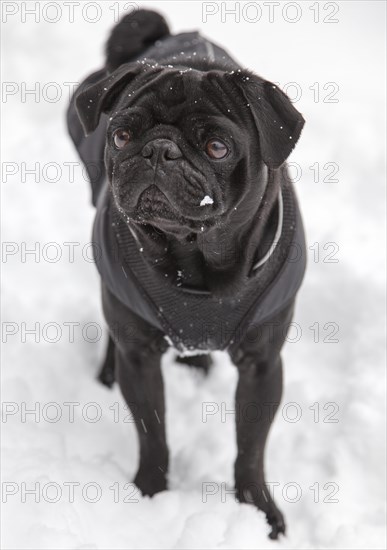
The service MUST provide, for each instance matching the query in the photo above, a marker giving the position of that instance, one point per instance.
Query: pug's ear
(278, 122)
(100, 96)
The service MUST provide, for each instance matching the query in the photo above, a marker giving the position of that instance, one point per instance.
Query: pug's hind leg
(107, 373)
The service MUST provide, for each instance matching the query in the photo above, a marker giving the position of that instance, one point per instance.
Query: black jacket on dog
(191, 319)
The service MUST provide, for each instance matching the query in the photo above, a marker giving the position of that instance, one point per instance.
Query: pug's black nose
(161, 149)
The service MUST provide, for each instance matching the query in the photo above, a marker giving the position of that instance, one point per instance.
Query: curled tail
(133, 35)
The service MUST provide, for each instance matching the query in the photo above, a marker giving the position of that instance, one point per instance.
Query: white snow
(81, 438)
(206, 200)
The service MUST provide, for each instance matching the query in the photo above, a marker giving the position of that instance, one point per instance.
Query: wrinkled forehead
(172, 92)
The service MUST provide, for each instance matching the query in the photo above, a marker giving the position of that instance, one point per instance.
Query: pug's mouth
(153, 204)
(154, 208)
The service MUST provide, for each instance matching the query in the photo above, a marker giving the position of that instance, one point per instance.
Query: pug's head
(185, 147)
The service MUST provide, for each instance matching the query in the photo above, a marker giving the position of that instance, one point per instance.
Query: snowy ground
(46, 295)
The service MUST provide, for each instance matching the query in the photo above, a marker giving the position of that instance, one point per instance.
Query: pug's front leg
(140, 379)
(137, 348)
(257, 399)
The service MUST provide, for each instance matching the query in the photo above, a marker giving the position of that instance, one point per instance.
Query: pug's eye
(216, 149)
(121, 138)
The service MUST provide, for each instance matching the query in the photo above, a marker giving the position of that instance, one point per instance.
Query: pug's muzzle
(160, 183)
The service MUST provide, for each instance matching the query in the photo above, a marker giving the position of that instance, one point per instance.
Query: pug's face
(184, 148)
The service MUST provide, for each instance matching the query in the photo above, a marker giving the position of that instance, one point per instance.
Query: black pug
(197, 237)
